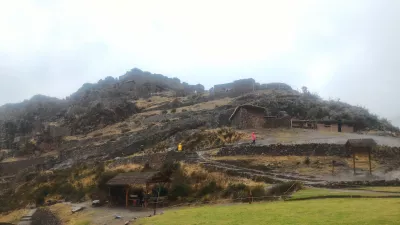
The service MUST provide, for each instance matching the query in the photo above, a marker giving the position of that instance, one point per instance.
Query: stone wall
(357, 184)
(12, 168)
(278, 150)
(278, 122)
(314, 149)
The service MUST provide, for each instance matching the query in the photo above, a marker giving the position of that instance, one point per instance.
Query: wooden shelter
(360, 146)
(142, 179)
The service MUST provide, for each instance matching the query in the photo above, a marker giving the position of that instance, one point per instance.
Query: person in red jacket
(253, 138)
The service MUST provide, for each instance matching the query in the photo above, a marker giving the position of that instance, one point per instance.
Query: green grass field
(383, 189)
(320, 192)
(321, 211)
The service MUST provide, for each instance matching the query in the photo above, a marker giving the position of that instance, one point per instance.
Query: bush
(285, 188)
(184, 110)
(66, 189)
(180, 190)
(307, 161)
(235, 190)
(104, 178)
(41, 193)
(164, 112)
(258, 191)
(210, 188)
(173, 110)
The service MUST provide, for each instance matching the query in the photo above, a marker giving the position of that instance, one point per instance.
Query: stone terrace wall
(380, 152)
(278, 150)
(12, 168)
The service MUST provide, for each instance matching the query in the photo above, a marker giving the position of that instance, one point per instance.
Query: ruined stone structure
(235, 88)
(248, 116)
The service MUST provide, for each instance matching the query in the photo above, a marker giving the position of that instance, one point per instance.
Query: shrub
(66, 189)
(41, 193)
(180, 190)
(285, 188)
(173, 110)
(210, 188)
(307, 161)
(184, 110)
(104, 178)
(234, 190)
(164, 112)
(258, 191)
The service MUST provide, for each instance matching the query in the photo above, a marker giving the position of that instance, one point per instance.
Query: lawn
(323, 211)
(383, 189)
(320, 192)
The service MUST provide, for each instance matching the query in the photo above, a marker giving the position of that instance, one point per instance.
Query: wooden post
(333, 167)
(144, 197)
(126, 196)
(354, 162)
(158, 195)
(369, 159)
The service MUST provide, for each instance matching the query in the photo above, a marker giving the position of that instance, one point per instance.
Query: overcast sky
(340, 49)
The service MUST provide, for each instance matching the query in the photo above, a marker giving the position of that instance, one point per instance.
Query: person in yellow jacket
(180, 147)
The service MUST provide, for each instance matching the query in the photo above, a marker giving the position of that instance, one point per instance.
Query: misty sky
(340, 49)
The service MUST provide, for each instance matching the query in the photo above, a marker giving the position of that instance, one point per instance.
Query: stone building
(248, 116)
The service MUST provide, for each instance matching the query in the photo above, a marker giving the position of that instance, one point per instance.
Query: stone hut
(248, 116)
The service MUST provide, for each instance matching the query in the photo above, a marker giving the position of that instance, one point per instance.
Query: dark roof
(246, 107)
(132, 178)
(361, 143)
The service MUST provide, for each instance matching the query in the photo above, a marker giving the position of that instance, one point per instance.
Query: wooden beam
(354, 162)
(369, 158)
(126, 196)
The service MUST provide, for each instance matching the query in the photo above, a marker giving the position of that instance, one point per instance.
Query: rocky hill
(140, 108)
